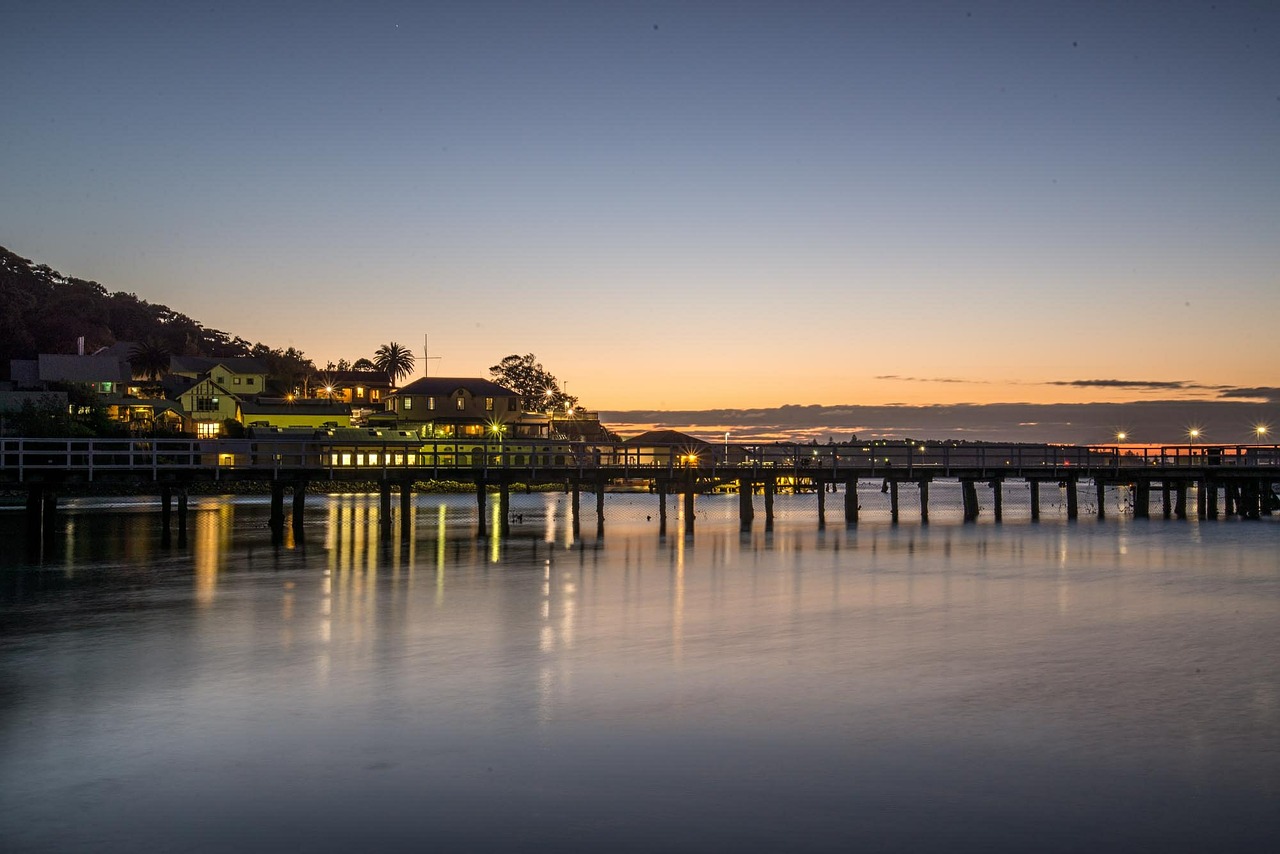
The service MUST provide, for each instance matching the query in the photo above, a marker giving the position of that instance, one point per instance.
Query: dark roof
(57, 367)
(281, 406)
(204, 364)
(665, 437)
(175, 384)
(346, 378)
(24, 372)
(445, 386)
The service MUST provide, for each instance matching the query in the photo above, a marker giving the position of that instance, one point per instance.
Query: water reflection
(1060, 687)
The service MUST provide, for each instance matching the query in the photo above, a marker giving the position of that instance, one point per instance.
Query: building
(457, 407)
(365, 392)
(241, 376)
(147, 415)
(104, 374)
(299, 412)
(207, 404)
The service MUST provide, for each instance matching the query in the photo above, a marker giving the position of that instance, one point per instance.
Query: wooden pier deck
(1242, 475)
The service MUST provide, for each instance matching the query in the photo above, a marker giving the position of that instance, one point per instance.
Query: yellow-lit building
(283, 412)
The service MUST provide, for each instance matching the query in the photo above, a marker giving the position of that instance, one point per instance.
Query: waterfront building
(457, 407)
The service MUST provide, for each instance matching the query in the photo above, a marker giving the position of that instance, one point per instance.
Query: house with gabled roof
(455, 407)
(207, 404)
(242, 376)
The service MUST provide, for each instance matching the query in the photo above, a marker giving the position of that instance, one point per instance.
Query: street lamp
(1121, 436)
(1260, 431)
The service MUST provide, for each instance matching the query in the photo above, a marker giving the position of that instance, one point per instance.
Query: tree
(394, 361)
(150, 359)
(364, 365)
(538, 388)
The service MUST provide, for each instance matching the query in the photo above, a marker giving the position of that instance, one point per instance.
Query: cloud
(1270, 395)
(903, 379)
(1226, 419)
(1154, 385)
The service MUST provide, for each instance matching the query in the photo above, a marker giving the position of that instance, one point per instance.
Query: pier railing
(26, 458)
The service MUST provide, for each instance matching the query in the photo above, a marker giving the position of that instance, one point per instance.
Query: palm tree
(393, 360)
(150, 359)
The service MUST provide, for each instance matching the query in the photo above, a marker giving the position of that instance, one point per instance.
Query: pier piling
(851, 501)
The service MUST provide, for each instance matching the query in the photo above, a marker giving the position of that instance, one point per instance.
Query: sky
(678, 206)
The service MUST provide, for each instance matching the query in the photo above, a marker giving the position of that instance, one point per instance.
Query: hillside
(43, 311)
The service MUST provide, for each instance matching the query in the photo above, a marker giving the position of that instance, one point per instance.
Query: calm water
(1095, 686)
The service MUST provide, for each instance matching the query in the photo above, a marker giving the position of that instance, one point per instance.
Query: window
(488, 404)
(375, 395)
(359, 391)
(462, 402)
(235, 381)
(249, 380)
(408, 404)
(208, 429)
(206, 404)
(431, 403)
(106, 388)
(221, 380)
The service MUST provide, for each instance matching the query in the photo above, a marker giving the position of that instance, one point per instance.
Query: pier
(1228, 481)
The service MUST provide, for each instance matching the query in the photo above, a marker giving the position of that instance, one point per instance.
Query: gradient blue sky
(677, 205)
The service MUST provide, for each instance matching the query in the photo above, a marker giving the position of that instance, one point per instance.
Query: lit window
(208, 429)
(408, 403)
(431, 403)
(462, 403)
(235, 381)
(374, 394)
(359, 391)
(488, 404)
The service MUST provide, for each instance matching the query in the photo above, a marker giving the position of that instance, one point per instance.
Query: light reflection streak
(677, 592)
(213, 537)
(552, 507)
(441, 530)
(495, 531)
(69, 546)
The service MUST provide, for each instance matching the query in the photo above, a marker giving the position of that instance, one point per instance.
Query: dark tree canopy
(42, 311)
(538, 388)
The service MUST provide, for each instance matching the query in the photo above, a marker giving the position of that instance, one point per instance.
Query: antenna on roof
(426, 357)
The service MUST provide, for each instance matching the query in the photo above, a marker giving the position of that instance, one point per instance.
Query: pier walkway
(1229, 480)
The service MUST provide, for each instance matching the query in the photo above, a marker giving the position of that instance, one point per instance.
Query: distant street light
(1261, 432)
(1121, 436)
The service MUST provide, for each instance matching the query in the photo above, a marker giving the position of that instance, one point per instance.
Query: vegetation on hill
(43, 311)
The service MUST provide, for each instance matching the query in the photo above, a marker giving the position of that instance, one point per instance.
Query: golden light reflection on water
(441, 539)
(213, 526)
(495, 532)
